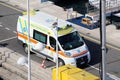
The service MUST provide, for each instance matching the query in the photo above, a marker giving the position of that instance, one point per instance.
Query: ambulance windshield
(71, 41)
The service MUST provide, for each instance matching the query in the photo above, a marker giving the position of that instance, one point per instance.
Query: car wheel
(60, 62)
(26, 49)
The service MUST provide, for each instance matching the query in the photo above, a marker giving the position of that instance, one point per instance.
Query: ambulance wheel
(25, 48)
(60, 62)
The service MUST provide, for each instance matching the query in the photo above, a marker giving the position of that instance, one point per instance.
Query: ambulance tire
(60, 62)
(25, 48)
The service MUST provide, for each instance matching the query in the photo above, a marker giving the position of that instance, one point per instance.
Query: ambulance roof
(46, 20)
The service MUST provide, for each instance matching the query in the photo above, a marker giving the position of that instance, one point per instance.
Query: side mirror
(39, 46)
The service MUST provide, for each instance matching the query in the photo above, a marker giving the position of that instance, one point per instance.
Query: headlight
(68, 53)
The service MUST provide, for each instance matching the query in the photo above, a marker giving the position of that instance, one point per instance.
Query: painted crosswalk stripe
(108, 74)
(8, 39)
(14, 32)
(1, 25)
(7, 28)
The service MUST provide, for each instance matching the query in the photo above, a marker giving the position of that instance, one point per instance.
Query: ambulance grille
(81, 61)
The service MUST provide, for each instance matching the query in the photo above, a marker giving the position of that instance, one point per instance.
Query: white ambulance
(43, 31)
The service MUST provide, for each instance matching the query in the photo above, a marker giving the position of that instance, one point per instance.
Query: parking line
(14, 32)
(8, 39)
(7, 28)
(111, 75)
(1, 25)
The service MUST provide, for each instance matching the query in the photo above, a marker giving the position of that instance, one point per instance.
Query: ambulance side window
(52, 42)
(40, 37)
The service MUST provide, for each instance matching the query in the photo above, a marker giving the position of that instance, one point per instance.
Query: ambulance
(50, 36)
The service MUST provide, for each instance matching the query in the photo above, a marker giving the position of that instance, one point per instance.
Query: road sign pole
(55, 25)
(103, 36)
(29, 62)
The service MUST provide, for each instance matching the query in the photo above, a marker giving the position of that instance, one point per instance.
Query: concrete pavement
(11, 70)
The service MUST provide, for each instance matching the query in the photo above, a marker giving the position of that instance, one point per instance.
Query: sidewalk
(11, 70)
(112, 35)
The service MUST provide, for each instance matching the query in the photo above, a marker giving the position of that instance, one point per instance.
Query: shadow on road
(95, 51)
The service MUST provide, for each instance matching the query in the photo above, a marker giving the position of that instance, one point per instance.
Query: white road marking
(110, 75)
(1, 25)
(8, 39)
(7, 28)
(15, 32)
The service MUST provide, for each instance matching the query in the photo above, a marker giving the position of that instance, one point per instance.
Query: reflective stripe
(35, 42)
(79, 54)
(59, 52)
(52, 49)
(23, 23)
(62, 53)
(19, 20)
(26, 38)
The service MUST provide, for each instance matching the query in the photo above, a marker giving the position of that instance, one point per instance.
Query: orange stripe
(79, 54)
(26, 38)
(59, 52)
(47, 47)
(35, 42)
(21, 35)
(52, 49)
(62, 53)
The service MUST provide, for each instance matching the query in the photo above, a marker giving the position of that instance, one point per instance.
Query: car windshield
(70, 41)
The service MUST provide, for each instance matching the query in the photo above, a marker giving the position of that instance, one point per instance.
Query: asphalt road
(8, 38)
(113, 59)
